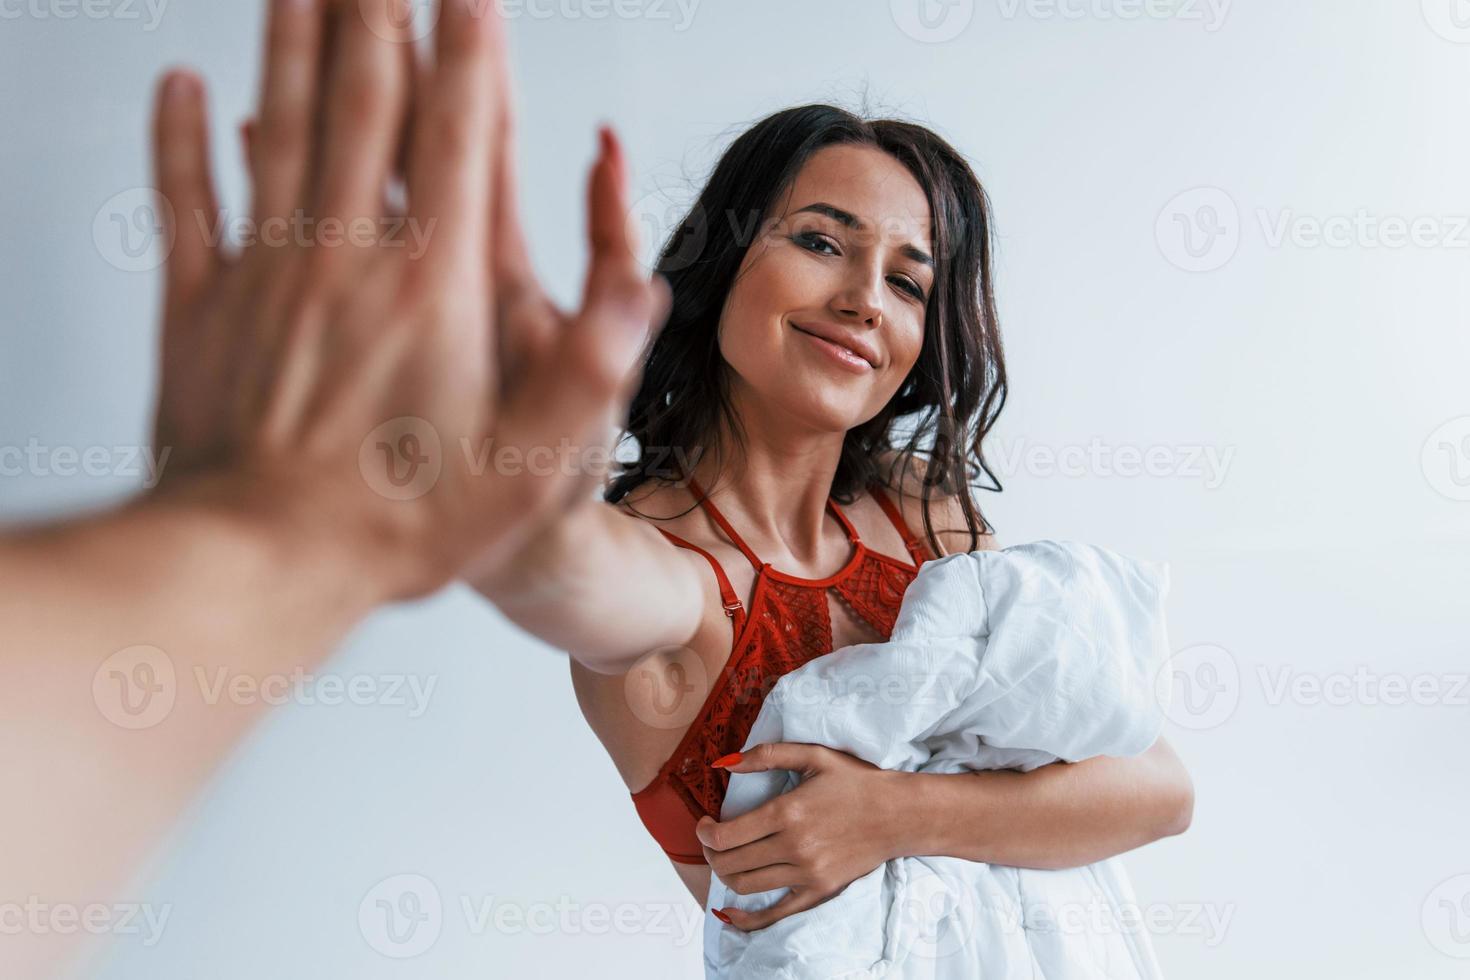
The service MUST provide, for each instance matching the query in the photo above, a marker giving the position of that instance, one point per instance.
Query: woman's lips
(839, 354)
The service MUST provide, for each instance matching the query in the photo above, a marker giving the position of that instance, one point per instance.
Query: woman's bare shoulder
(905, 478)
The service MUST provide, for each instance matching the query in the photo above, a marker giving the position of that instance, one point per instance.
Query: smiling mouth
(852, 355)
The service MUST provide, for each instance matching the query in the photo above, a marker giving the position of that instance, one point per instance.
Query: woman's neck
(775, 486)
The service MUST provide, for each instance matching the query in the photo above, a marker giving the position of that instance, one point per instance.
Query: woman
(831, 287)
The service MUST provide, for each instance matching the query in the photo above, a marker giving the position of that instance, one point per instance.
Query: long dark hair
(957, 387)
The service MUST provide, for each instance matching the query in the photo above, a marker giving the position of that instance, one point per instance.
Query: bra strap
(714, 513)
(912, 543)
(734, 608)
(852, 535)
(718, 518)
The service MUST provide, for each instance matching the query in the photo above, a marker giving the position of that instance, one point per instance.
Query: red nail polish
(721, 916)
(733, 759)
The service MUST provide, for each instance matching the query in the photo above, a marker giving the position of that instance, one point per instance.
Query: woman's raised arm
(602, 585)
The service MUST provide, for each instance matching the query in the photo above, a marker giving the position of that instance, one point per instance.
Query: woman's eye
(808, 239)
(911, 287)
(813, 241)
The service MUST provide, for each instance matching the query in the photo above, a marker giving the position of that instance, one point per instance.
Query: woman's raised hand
(383, 378)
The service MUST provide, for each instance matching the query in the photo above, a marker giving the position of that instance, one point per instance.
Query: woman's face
(845, 254)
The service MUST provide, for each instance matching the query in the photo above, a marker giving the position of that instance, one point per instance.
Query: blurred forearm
(116, 630)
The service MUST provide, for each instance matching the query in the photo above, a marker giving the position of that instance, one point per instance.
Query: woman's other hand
(829, 831)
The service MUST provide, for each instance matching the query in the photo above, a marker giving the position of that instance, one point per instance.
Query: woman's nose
(862, 296)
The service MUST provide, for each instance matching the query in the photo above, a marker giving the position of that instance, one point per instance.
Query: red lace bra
(788, 625)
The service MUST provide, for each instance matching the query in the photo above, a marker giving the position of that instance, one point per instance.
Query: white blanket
(1005, 659)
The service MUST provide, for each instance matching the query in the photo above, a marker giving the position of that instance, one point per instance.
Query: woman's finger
(799, 757)
(726, 835)
(794, 901)
(392, 198)
(573, 387)
(763, 879)
(286, 139)
(366, 100)
(527, 323)
(618, 301)
(757, 854)
(450, 163)
(182, 174)
(574, 383)
(512, 267)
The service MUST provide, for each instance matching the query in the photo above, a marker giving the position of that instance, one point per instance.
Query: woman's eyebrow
(852, 221)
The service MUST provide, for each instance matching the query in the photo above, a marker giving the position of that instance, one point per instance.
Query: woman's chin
(822, 406)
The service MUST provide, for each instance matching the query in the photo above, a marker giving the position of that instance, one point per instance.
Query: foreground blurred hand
(334, 403)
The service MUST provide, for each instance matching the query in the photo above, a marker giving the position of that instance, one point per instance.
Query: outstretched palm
(496, 369)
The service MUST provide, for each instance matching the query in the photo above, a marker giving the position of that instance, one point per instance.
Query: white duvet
(1005, 659)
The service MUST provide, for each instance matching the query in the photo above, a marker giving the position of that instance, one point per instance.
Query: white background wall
(1327, 546)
